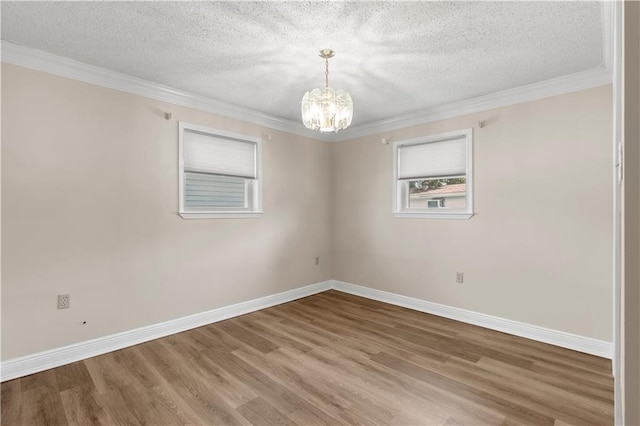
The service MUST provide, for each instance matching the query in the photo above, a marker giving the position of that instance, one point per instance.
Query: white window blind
(213, 192)
(217, 155)
(433, 159)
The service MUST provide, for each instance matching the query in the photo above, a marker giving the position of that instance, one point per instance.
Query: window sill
(429, 215)
(219, 215)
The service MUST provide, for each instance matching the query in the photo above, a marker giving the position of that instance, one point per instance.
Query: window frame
(252, 191)
(401, 190)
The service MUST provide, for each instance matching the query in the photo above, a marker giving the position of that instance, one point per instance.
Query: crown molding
(557, 86)
(553, 87)
(53, 64)
(69, 68)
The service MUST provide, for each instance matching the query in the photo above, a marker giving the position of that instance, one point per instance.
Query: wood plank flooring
(332, 359)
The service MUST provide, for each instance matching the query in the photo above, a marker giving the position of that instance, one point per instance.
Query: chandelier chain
(326, 72)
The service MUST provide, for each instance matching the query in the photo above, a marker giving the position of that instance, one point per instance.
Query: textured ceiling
(393, 57)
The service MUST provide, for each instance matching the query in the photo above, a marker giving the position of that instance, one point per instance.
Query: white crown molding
(63, 67)
(533, 332)
(46, 62)
(29, 364)
(558, 86)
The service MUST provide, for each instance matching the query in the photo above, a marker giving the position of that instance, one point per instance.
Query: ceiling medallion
(327, 110)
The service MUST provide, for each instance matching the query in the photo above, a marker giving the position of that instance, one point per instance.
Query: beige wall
(632, 213)
(90, 196)
(89, 181)
(539, 249)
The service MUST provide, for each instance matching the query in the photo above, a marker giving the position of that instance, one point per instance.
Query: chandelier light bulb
(327, 110)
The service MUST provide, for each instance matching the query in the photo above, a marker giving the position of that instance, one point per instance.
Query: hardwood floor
(331, 358)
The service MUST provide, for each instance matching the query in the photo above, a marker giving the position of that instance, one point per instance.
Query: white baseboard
(533, 332)
(29, 364)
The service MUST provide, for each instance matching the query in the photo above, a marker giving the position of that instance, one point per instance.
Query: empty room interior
(401, 213)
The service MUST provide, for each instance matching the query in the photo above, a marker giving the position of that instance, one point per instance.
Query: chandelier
(327, 110)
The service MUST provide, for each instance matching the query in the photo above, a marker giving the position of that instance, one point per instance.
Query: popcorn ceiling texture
(393, 57)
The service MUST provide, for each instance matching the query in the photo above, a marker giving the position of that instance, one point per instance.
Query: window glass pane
(213, 192)
(440, 193)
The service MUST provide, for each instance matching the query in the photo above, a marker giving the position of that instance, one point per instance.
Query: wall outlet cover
(64, 301)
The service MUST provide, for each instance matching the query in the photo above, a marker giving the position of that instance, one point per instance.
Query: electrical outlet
(459, 277)
(317, 260)
(64, 301)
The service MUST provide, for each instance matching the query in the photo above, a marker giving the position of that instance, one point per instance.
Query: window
(219, 173)
(435, 203)
(433, 176)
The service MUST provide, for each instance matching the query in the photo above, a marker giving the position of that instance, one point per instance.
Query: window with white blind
(433, 176)
(219, 173)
